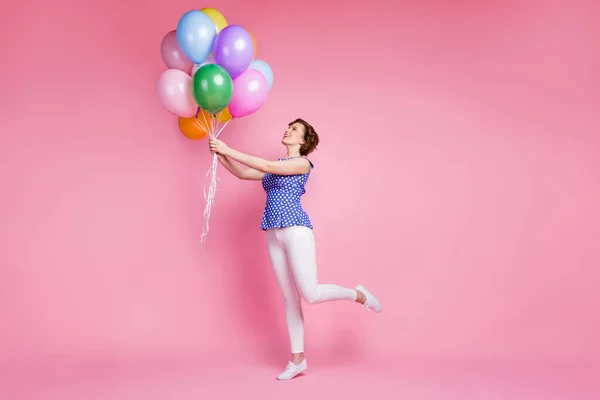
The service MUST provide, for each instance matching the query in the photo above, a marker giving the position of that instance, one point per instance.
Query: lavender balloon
(234, 50)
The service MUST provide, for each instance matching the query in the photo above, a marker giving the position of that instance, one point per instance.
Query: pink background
(457, 178)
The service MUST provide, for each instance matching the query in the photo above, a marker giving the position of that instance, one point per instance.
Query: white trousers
(293, 257)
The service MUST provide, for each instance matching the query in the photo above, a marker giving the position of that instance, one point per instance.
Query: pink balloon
(174, 91)
(250, 91)
(172, 55)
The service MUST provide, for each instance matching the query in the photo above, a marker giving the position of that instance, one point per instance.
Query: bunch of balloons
(213, 74)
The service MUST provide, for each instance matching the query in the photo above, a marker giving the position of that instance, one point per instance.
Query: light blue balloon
(196, 34)
(264, 69)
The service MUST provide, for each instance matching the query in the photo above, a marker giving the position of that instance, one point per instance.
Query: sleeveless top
(283, 206)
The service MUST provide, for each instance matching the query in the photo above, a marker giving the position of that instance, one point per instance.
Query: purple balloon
(234, 50)
(250, 91)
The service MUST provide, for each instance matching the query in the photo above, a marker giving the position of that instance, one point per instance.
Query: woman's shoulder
(310, 162)
(296, 158)
(294, 166)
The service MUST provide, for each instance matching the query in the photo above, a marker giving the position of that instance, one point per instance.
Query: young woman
(289, 231)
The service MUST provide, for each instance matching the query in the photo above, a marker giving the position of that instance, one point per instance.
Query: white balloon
(209, 60)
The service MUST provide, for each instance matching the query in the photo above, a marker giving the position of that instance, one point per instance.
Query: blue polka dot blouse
(283, 206)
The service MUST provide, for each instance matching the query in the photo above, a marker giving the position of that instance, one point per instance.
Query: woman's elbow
(266, 168)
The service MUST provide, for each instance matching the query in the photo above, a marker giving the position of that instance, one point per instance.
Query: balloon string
(206, 122)
(221, 129)
(209, 195)
(197, 121)
(218, 117)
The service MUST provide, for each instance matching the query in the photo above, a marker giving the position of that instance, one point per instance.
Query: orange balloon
(255, 46)
(193, 128)
(200, 126)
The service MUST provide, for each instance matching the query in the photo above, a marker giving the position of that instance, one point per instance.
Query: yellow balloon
(217, 18)
(224, 115)
(205, 117)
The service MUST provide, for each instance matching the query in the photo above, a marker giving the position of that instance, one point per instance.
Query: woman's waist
(287, 190)
(288, 213)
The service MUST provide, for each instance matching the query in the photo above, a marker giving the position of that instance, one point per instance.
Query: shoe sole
(289, 379)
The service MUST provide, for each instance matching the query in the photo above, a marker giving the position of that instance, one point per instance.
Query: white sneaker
(372, 302)
(292, 370)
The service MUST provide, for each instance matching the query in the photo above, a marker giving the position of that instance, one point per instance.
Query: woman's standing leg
(293, 308)
(291, 298)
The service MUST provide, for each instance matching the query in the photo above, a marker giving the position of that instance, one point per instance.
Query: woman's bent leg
(302, 257)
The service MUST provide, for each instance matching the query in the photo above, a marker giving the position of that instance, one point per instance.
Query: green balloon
(212, 88)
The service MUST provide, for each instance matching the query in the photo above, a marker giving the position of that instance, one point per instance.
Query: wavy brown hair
(311, 138)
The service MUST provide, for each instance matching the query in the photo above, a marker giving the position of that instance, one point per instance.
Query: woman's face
(294, 134)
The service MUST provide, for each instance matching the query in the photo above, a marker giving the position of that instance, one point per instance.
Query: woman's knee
(312, 295)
